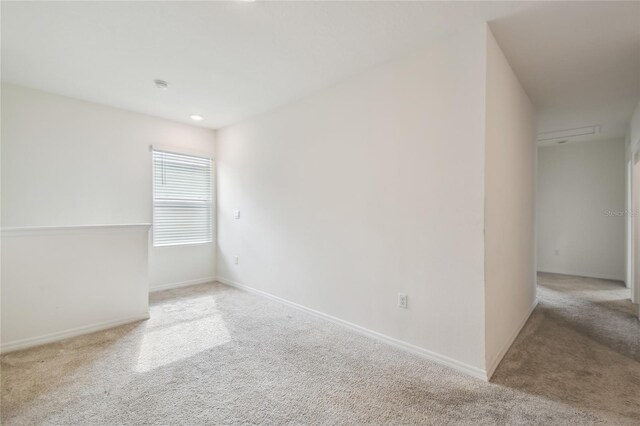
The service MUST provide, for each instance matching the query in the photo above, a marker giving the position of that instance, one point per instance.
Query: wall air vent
(568, 133)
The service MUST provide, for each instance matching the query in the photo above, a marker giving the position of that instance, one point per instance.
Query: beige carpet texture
(212, 354)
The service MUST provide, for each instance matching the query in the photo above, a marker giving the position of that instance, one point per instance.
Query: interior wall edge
(493, 365)
(510, 157)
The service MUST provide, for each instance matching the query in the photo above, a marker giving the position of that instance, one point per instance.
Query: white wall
(633, 200)
(580, 207)
(170, 266)
(59, 283)
(634, 128)
(367, 189)
(635, 226)
(510, 282)
(67, 162)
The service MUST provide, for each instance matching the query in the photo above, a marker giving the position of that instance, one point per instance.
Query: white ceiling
(228, 61)
(579, 62)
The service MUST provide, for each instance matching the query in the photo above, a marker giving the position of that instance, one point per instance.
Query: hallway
(581, 346)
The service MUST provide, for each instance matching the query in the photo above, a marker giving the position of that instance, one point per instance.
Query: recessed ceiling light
(196, 117)
(160, 84)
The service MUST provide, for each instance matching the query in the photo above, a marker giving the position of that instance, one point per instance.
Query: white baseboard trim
(584, 274)
(496, 361)
(65, 334)
(416, 350)
(181, 284)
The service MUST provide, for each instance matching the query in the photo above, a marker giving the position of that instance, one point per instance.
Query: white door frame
(632, 194)
(629, 225)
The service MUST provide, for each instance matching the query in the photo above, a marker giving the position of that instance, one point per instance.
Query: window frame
(211, 205)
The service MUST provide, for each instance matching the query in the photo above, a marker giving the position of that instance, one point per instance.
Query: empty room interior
(320, 213)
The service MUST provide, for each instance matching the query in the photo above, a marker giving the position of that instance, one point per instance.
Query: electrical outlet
(402, 300)
(236, 260)
(236, 214)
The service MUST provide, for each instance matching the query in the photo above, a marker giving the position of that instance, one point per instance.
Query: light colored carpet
(211, 354)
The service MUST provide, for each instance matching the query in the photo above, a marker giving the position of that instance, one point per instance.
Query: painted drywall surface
(632, 145)
(184, 264)
(509, 208)
(628, 241)
(367, 189)
(636, 229)
(58, 281)
(580, 208)
(634, 128)
(67, 162)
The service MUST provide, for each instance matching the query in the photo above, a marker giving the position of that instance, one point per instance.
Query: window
(182, 203)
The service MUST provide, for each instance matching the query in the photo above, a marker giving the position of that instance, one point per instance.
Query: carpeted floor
(211, 354)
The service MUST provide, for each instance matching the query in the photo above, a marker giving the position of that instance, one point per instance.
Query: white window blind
(182, 202)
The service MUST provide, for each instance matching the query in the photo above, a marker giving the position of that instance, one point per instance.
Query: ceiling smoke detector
(160, 84)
